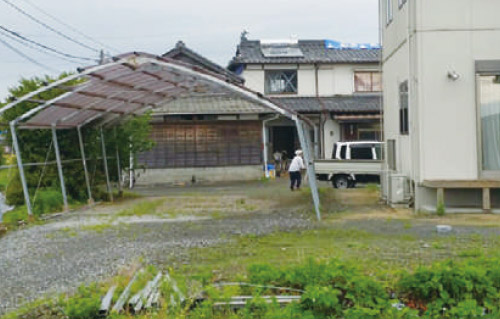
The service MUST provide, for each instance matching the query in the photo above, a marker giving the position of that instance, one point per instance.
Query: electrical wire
(43, 66)
(18, 37)
(33, 47)
(49, 27)
(71, 27)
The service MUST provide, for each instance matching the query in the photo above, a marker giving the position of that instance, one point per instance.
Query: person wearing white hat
(294, 170)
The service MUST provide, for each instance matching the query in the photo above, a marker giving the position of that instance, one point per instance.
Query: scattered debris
(118, 307)
(239, 302)
(106, 302)
(443, 229)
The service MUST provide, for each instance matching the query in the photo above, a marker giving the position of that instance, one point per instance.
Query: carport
(129, 85)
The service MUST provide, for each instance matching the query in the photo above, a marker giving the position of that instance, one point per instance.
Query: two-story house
(441, 65)
(337, 86)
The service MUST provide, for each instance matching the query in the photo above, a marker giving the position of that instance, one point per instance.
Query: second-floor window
(389, 15)
(404, 125)
(367, 81)
(281, 82)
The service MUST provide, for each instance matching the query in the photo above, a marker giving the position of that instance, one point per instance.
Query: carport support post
(303, 137)
(264, 149)
(118, 167)
(59, 167)
(20, 167)
(316, 141)
(105, 160)
(84, 161)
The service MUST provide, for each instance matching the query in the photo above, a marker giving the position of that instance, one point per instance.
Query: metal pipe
(59, 168)
(265, 143)
(131, 168)
(304, 137)
(20, 167)
(85, 168)
(106, 301)
(118, 307)
(106, 172)
(118, 167)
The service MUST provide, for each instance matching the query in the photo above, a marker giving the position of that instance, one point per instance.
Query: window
(489, 112)
(389, 11)
(401, 3)
(361, 152)
(378, 151)
(343, 149)
(281, 82)
(367, 81)
(403, 108)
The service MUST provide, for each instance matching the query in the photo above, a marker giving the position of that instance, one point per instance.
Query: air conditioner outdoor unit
(399, 192)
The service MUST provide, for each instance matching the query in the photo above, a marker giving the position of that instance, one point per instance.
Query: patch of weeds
(143, 208)
(217, 215)
(372, 187)
(407, 225)
(470, 253)
(437, 245)
(440, 209)
(99, 228)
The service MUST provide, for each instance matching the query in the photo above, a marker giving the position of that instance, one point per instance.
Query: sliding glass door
(489, 112)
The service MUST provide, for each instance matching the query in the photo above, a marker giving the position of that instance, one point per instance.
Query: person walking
(295, 167)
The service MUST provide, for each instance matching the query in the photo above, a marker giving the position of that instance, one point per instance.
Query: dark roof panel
(182, 53)
(314, 51)
(334, 104)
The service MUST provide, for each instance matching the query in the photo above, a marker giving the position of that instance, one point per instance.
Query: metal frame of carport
(134, 62)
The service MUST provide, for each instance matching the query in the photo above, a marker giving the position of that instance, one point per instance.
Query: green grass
(150, 207)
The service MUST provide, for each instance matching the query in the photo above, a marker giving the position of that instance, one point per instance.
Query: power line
(35, 47)
(49, 27)
(17, 35)
(43, 66)
(70, 27)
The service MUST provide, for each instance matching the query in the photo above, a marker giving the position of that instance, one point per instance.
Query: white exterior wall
(306, 80)
(427, 39)
(335, 79)
(332, 136)
(254, 78)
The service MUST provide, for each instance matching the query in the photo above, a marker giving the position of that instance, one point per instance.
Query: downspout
(322, 119)
(265, 142)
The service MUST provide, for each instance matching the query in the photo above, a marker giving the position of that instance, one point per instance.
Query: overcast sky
(210, 27)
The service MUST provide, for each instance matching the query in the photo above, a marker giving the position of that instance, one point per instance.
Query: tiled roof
(210, 105)
(232, 105)
(335, 104)
(315, 51)
(183, 53)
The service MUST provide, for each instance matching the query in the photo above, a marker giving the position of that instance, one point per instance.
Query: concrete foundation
(201, 175)
(455, 200)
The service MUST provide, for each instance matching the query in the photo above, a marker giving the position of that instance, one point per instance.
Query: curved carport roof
(129, 85)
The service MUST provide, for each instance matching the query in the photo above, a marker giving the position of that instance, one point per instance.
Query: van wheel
(341, 182)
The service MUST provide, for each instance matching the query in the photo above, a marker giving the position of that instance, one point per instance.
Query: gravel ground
(49, 258)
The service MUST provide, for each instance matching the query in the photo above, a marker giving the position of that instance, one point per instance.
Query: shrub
(48, 201)
(330, 287)
(451, 285)
(84, 305)
(14, 194)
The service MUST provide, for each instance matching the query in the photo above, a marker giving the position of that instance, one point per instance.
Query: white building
(441, 65)
(337, 87)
